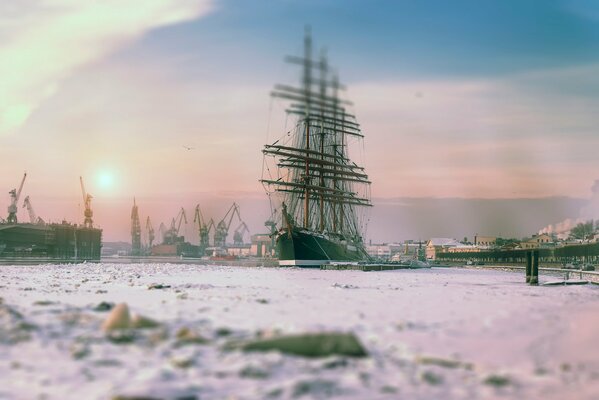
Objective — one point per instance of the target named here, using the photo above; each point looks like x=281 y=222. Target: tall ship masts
x=317 y=187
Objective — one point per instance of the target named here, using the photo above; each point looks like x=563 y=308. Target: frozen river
x=429 y=334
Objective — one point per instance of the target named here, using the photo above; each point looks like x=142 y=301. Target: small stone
x=431 y=378
x=158 y=286
x=223 y=332
x=336 y=363
x=157 y=336
x=186 y=336
x=79 y=351
x=119 y=318
x=497 y=381
x=44 y=303
x=262 y=301
x=183 y=363
x=121 y=336
x=252 y=372
x=141 y=322
x=104 y=306
x=311 y=345
x=317 y=388
x=444 y=362
x=107 y=362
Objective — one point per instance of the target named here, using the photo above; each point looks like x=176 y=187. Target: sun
x=105 y=179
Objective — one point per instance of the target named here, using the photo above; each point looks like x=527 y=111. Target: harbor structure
x=50 y=241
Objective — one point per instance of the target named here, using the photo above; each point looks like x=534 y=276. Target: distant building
x=536 y=241
x=462 y=248
x=485 y=241
x=242 y=250
x=387 y=251
x=262 y=245
x=435 y=245
x=511 y=246
x=111 y=249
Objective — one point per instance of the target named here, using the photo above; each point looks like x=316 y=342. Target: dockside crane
x=172 y=234
x=135 y=230
x=239 y=232
x=211 y=227
x=32 y=217
x=222 y=228
x=150 y=231
x=202 y=229
x=14 y=201
x=181 y=217
x=271 y=224
x=162 y=231
x=88 y=214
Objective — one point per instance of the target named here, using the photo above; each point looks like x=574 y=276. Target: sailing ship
x=320 y=193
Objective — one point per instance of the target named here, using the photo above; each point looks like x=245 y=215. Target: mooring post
x=528 y=266
x=534 y=279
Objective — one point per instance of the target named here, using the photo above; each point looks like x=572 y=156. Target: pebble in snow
x=119 y=318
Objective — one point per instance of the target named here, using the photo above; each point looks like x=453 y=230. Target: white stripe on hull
x=302 y=263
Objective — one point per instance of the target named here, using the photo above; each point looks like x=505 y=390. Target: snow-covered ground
x=430 y=334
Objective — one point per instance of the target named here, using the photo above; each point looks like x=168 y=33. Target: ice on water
x=429 y=334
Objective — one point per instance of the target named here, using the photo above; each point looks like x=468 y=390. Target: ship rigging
x=317 y=186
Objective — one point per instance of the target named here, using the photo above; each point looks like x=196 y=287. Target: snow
x=430 y=334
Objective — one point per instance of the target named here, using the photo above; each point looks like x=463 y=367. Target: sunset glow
x=147 y=87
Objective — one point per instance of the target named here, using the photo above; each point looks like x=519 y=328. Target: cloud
x=45 y=41
x=524 y=135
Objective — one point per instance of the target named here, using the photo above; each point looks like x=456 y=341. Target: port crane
x=172 y=234
x=202 y=228
x=14 y=200
x=150 y=231
x=271 y=224
x=211 y=227
x=32 y=217
x=87 y=202
x=135 y=230
x=239 y=232
x=162 y=230
x=222 y=228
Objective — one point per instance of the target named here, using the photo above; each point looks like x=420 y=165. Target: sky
x=471 y=100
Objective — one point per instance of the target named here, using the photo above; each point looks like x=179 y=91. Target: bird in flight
x=187 y=147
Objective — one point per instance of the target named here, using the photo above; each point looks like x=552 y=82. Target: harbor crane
x=150 y=231
x=162 y=230
x=180 y=217
x=172 y=234
x=32 y=217
x=271 y=224
x=202 y=229
x=87 y=201
x=239 y=232
x=135 y=230
x=222 y=228
x=211 y=227
x=14 y=200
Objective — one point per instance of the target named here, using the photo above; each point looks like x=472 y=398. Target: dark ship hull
x=305 y=248
x=60 y=242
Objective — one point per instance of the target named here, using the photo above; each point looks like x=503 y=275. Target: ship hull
x=303 y=248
